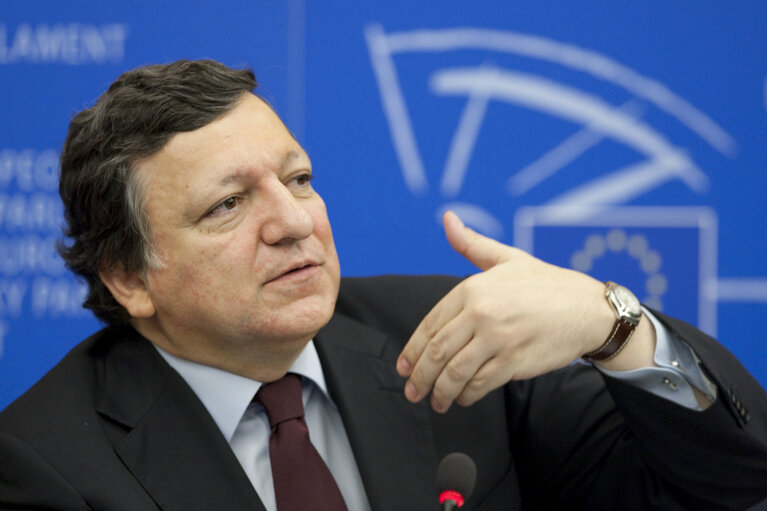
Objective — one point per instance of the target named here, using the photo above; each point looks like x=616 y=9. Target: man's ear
x=130 y=291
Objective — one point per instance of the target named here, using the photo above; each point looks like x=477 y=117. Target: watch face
x=625 y=303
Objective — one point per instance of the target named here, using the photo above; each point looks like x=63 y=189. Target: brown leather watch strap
x=615 y=342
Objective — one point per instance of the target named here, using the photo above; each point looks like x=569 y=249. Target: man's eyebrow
x=242 y=175
x=292 y=155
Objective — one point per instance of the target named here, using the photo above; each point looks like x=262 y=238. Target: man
x=209 y=254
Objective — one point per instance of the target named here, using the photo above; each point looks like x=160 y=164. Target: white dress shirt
x=228 y=398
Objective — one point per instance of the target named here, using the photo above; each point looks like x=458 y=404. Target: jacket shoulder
x=68 y=385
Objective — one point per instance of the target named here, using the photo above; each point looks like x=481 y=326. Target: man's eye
x=227 y=204
x=303 y=179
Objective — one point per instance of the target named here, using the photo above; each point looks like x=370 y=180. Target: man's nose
x=286 y=218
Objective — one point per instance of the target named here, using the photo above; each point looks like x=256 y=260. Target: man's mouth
x=295 y=271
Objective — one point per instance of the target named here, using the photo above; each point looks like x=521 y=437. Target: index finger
x=446 y=309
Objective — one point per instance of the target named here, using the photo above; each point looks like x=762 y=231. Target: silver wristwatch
x=628 y=312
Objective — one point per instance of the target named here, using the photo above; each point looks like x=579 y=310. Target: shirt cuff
x=677 y=372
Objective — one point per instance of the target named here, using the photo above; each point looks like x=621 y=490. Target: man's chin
x=302 y=319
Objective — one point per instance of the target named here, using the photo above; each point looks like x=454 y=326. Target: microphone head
x=456 y=473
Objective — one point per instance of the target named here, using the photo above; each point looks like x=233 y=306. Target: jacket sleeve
x=594 y=442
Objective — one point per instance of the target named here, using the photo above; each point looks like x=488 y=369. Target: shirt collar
x=227 y=395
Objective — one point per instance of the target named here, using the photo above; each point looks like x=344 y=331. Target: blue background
x=314 y=61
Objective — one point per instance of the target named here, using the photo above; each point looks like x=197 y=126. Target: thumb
x=481 y=251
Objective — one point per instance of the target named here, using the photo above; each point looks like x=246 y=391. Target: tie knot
x=281 y=399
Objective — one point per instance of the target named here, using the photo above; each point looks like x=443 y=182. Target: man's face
x=247 y=246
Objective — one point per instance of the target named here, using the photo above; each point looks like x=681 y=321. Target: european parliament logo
x=569 y=146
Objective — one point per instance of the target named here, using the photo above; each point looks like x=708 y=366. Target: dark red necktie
x=302 y=481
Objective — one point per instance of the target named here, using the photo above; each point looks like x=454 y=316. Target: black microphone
x=456 y=476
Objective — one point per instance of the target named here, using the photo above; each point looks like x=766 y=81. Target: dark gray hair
x=103 y=197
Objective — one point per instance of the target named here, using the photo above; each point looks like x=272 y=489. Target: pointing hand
x=519 y=318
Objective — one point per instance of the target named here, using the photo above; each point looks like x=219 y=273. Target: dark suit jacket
x=113 y=427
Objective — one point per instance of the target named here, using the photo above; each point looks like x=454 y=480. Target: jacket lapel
x=171 y=446
x=392 y=439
